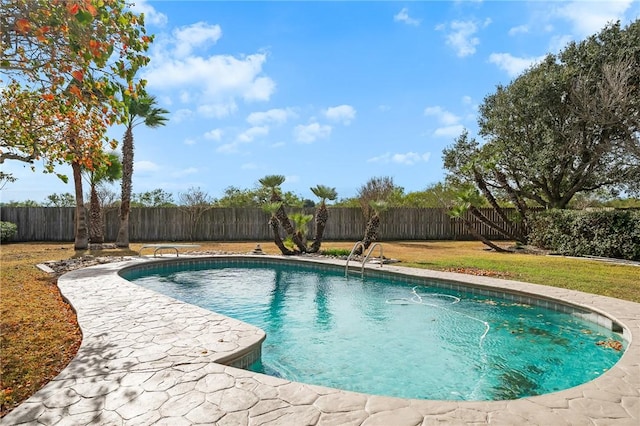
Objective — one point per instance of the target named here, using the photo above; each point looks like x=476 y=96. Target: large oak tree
x=568 y=125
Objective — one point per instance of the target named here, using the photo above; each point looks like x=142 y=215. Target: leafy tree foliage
x=255 y=197
x=154 y=198
x=194 y=202
x=567 y=126
x=24 y=203
x=60 y=200
x=68 y=67
x=64 y=62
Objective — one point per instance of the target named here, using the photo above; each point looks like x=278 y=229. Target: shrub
x=335 y=252
x=613 y=234
x=8 y=230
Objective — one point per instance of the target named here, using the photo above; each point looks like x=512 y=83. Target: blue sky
x=329 y=92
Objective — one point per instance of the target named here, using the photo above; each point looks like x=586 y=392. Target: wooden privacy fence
x=240 y=224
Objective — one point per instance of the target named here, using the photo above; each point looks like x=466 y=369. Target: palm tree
x=273 y=182
x=109 y=171
x=371 y=231
x=142 y=110
x=300 y=221
x=465 y=203
x=272 y=208
x=322 y=214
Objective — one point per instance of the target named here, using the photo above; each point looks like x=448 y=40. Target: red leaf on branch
x=91 y=9
x=23 y=25
x=78 y=75
x=73 y=8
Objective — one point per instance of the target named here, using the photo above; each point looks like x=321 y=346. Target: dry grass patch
x=38 y=330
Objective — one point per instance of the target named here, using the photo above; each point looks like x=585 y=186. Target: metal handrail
x=369 y=254
x=355 y=246
x=364 y=258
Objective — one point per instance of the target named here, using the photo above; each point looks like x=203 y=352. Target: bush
x=613 y=234
x=8 y=230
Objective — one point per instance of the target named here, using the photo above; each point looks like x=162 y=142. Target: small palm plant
x=300 y=221
x=322 y=214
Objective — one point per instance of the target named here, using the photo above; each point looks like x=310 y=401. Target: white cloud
x=218 y=76
x=466 y=100
x=311 y=132
x=461 y=38
x=272 y=116
x=250 y=134
x=185 y=172
x=512 y=65
x=185 y=96
x=445 y=117
x=181 y=115
x=193 y=36
x=449 y=131
x=215 y=134
x=189 y=141
x=228 y=147
x=520 y=29
x=342 y=113
x=589 y=17
x=220 y=110
x=213 y=83
x=145 y=166
x=408 y=158
x=403 y=16
x=151 y=16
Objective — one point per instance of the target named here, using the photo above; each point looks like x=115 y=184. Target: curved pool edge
x=146 y=357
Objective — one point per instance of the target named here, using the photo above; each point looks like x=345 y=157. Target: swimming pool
x=395 y=336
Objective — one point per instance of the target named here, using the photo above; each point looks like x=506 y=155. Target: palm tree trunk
x=291 y=230
x=282 y=217
x=96 y=234
x=321 y=222
x=275 y=226
x=127 y=176
x=82 y=237
x=481 y=237
x=370 y=233
x=493 y=225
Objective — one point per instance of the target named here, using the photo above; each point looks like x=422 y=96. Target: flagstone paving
x=148 y=359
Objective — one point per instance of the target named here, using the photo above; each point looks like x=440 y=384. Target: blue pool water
x=390 y=337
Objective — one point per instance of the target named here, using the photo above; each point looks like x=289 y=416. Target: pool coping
x=146 y=358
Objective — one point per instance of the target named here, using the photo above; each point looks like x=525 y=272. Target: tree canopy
x=66 y=66
x=568 y=125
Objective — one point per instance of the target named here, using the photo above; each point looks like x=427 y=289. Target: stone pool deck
x=148 y=359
